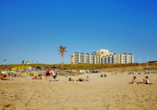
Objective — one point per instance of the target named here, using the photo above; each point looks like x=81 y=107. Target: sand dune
x=110 y=93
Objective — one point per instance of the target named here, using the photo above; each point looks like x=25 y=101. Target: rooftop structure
x=101 y=56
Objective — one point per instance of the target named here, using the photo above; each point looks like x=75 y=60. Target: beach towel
x=25 y=74
x=35 y=74
x=13 y=73
x=5 y=73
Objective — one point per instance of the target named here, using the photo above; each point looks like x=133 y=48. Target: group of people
x=2 y=76
x=52 y=73
x=145 y=81
x=81 y=79
x=37 y=77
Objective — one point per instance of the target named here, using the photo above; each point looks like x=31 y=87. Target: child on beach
x=47 y=74
x=40 y=77
x=88 y=79
x=1 y=76
x=34 y=78
x=134 y=81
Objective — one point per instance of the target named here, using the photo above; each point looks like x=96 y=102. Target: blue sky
x=34 y=29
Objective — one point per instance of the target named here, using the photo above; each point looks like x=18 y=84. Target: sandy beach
x=101 y=93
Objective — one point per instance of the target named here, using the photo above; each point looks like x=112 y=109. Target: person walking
x=54 y=74
x=47 y=74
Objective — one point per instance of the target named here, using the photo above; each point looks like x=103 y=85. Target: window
x=106 y=59
x=129 y=58
x=103 y=59
x=92 y=59
x=87 y=58
x=110 y=59
x=76 y=58
x=81 y=58
x=124 y=60
x=114 y=58
x=96 y=59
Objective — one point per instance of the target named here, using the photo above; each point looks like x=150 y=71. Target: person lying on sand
x=40 y=77
x=146 y=80
x=1 y=76
x=19 y=75
x=80 y=79
x=31 y=74
x=35 y=78
x=88 y=79
x=134 y=80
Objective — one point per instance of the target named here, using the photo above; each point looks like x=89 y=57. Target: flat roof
x=104 y=50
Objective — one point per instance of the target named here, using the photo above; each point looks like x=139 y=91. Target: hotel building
x=101 y=56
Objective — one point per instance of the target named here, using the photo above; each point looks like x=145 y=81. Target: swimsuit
x=146 y=82
x=80 y=79
x=133 y=81
x=54 y=76
x=47 y=74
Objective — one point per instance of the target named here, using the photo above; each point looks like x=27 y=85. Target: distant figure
x=80 y=79
x=88 y=79
x=66 y=75
x=35 y=78
x=54 y=74
x=115 y=72
x=47 y=74
x=1 y=76
x=146 y=80
x=134 y=81
x=40 y=77
x=7 y=75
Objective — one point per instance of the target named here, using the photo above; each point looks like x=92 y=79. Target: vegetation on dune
x=102 y=67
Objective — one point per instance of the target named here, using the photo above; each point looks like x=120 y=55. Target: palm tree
x=61 y=51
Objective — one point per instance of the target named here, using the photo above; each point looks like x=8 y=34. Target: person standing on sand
x=47 y=74
x=54 y=74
